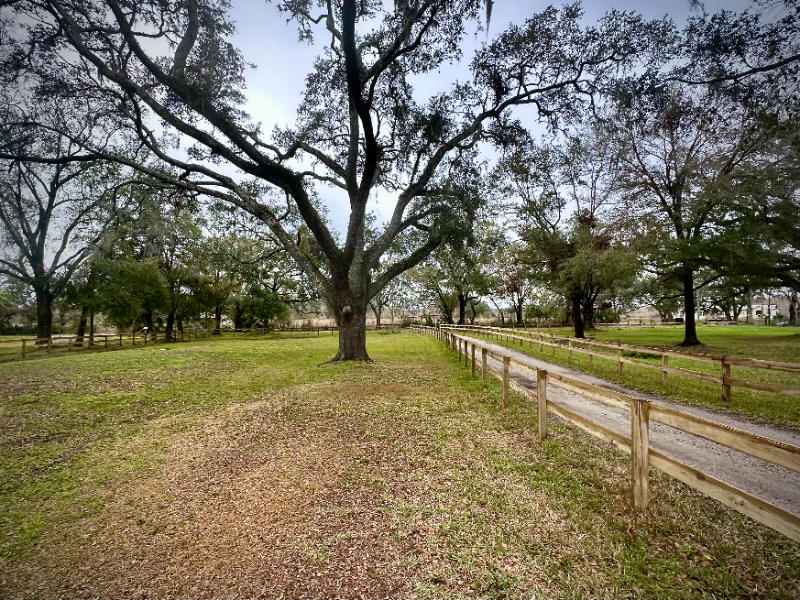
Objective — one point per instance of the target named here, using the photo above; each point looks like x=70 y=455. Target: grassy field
x=766 y=343
x=241 y=468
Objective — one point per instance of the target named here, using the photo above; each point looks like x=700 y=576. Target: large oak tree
x=166 y=71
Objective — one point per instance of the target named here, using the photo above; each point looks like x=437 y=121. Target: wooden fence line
x=643 y=323
x=724 y=379
x=638 y=445
x=72 y=343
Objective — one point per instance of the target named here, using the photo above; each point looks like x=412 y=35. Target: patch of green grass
x=780 y=344
x=457 y=487
x=765 y=343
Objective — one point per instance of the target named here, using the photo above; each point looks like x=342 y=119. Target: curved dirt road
x=776 y=485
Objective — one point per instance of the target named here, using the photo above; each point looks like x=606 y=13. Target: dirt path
x=772 y=483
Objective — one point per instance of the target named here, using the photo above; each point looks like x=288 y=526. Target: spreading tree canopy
x=166 y=72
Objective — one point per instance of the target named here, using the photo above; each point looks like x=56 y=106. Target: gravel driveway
x=776 y=485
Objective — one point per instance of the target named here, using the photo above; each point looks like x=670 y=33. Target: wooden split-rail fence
x=642 y=412
x=593 y=349
x=28 y=347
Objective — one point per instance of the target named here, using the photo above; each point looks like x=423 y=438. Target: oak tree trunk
x=351 y=319
x=170 y=326
x=462 y=309
x=149 y=320
x=44 y=315
x=217 y=320
x=690 y=327
x=81 y=333
x=577 y=317
x=377 y=309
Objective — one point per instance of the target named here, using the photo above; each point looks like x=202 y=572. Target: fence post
x=640 y=453
x=541 y=343
x=591 y=356
x=473 y=360
x=483 y=365
x=506 y=364
x=569 y=343
x=49 y=344
x=619 y=360
x=134 y=338
x=23 y=348
x=541 y=401
x=466 y=355
x=458 y=343
x=726 y=387
x=120 y=339
x=664 y=365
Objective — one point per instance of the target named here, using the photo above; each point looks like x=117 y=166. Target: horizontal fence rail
x=591 y=347
x=637 y=444
x=21 y=348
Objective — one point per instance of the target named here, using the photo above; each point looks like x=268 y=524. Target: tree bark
x=377 y=309
x=518 y=310
x=237 y=316
x=577 y=317
x=149 y=321
x=750 y=317
x=217 y=320
x=462 y=309
x=44 y=315
x=81 y=333
x=351 y=319
x=170 y=326
x=690 y=327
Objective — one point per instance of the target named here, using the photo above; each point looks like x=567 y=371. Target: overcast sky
x=282 y=62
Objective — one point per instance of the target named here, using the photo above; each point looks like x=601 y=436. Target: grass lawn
x=781 y=344
x=766 y=343
x=237 y=467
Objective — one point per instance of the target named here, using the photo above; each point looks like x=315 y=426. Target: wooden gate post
x=23 y=348
x=640 y=453
x=483 y=365
x=466 y=355
x=664 y=365
x=726 y=375
x=541 y=401
x=506 y=364
x=619 y=360
x=473 y=360
x=569 y=343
